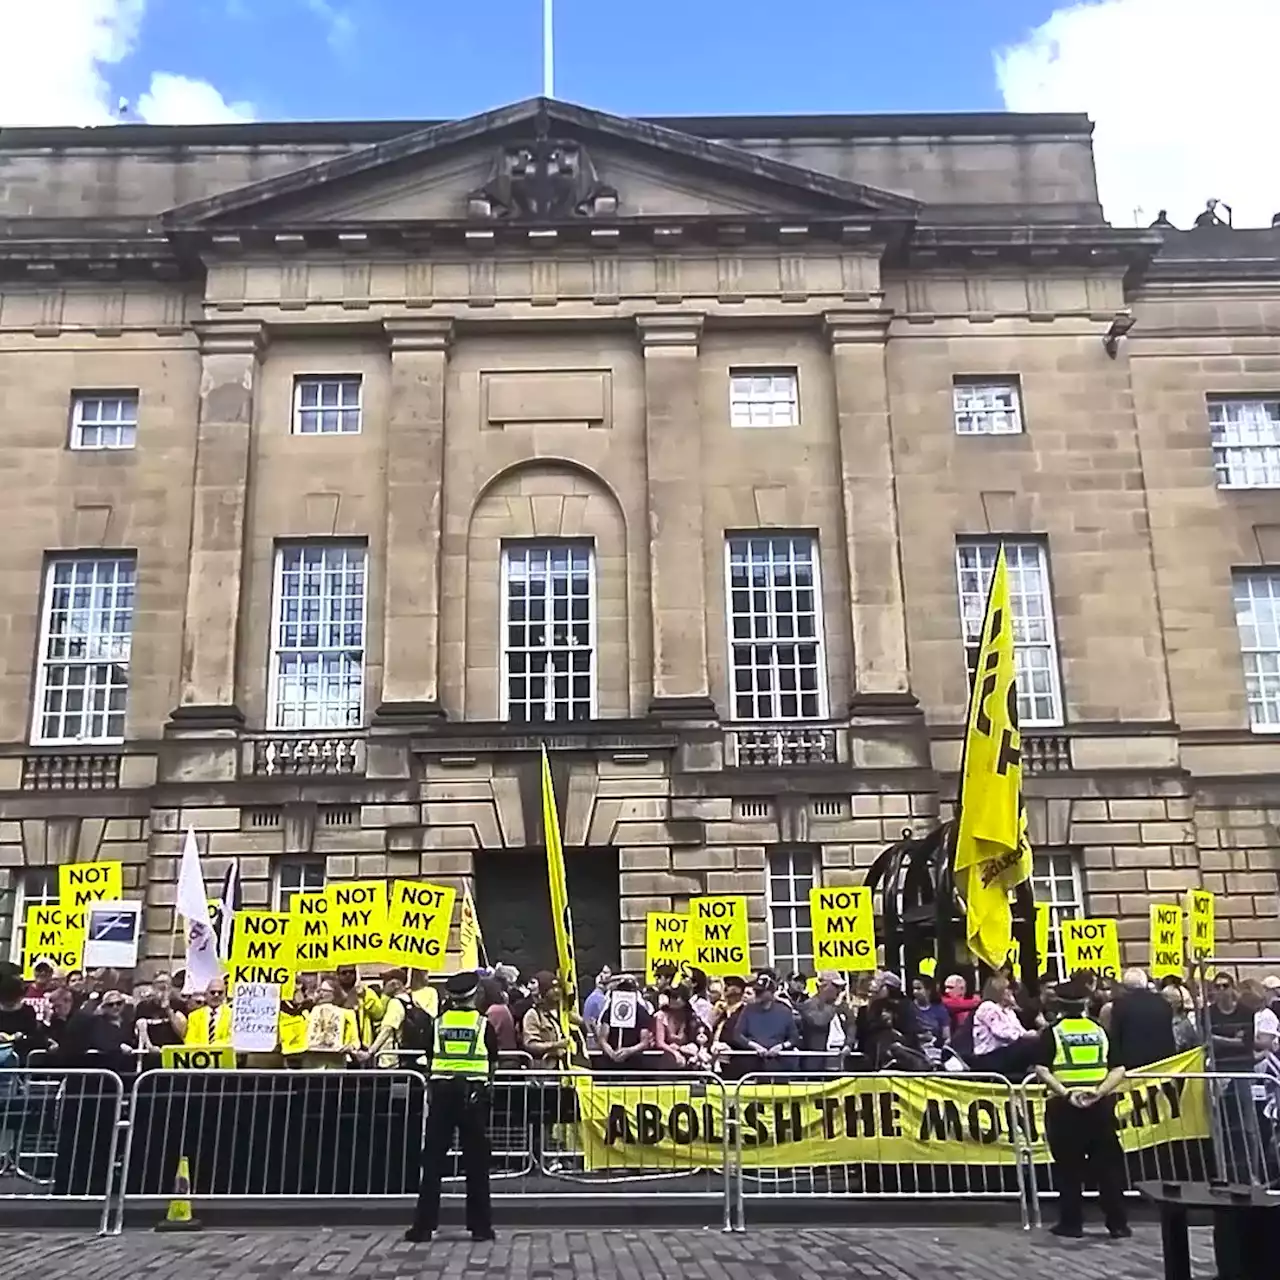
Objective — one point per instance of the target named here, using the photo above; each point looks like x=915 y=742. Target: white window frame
x=277 y=715
x=1052 y=868
x=345 y=411
x=24 y=898
x=45 y=665
x=525 y=547
x=781 y=863
x=987 y=406
x=818 y=640
x=1245 y=444
x=1259 y=663
x=1018 y=554
x=282 y=894
x=123 y=427
x=753 y=404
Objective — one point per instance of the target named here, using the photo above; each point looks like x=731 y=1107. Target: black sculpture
x=913 y=890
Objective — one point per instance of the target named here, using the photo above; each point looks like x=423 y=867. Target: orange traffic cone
x=178 y=1217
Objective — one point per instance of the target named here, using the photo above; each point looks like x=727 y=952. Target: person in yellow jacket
x=210 y=1023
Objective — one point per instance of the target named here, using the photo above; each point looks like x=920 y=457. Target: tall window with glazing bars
x=548 y=632
x=776 y=666
x=316 y=678
x=86 y=636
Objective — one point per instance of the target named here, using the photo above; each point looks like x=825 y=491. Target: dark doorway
x=514 y=905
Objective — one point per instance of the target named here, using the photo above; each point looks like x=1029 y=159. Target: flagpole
x=548 y=49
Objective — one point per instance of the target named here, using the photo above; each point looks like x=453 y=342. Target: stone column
x=673 y=449
x=230 y=353
x=415 y=521
x=881 y=680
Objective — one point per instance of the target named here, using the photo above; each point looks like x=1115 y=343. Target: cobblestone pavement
x=802 y=1253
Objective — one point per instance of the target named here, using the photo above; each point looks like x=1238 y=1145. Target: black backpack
x=417 y=1031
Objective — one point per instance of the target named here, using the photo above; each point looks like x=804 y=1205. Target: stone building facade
x=339 y=457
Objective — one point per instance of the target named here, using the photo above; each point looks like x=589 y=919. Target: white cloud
x=1182 y=93
x=340 y=23
x=173 y=99
x=59 y=55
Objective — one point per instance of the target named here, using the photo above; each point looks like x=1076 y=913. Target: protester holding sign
x=210 y=1024
x=332 y=1037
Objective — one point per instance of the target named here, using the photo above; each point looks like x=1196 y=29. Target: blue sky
x=432 y=58
x=1181 y=91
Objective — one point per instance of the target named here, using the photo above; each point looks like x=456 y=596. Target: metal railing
x=59 y=1130
x=745 y=1146
x=866 y=1116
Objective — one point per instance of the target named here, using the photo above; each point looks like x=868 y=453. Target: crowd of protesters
x=730 y=1026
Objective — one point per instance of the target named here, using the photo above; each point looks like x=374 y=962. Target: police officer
x=1079 y=1069
x=461 y=1066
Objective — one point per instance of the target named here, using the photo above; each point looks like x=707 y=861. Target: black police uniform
x=1083 y=1141
x=463 y=1059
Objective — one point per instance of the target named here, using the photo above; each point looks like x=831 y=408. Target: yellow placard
x=178 y=1057
x=264 y=948
x=293 y=1033
x=1200 y=923
x=1091 y=944
x=357 y=922
x=418 y=925
x=665 y=935
x=925 y=1119
x=719 y=941
x=928 y=967
x=1167 y=955
x=310 y=914
x=844 y=929
x=48 y=936
x=82 y=882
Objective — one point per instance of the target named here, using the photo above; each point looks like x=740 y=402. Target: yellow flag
x=561 y=918
x=469 y=936
x=992 y=853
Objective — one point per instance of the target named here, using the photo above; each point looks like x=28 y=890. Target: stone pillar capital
x=419 y=333
x=845 y=327
x=232 y=337
x=677 y=329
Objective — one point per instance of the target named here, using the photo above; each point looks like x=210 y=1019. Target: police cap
x=1072 y=992
x=461 y=986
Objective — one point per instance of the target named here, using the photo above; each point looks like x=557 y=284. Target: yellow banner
x=1167 y=955
x=357 y=922
x=664 y=940
x=926 y=1119
x=264 y=948
x=1091 y=944
x=177 y=1057
x=719 y=941
x=309 y=913
x=561 y=916
x=844 y=929
x=418 y=925
x=81 y=882
x=1200 y=923
x=990 y=841
x=49 y=935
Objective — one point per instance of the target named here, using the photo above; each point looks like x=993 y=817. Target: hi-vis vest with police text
x=460 y=1051
x=203 y=1028
x=1081 y=1057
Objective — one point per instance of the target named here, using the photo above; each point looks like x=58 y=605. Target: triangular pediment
x=546 y=162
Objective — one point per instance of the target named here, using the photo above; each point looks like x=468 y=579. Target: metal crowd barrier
x=886 y=1178
x=59 y=1131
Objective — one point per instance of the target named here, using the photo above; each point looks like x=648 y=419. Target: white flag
x=193 y=906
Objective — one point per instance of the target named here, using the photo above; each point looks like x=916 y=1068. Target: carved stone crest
x=547 y=180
